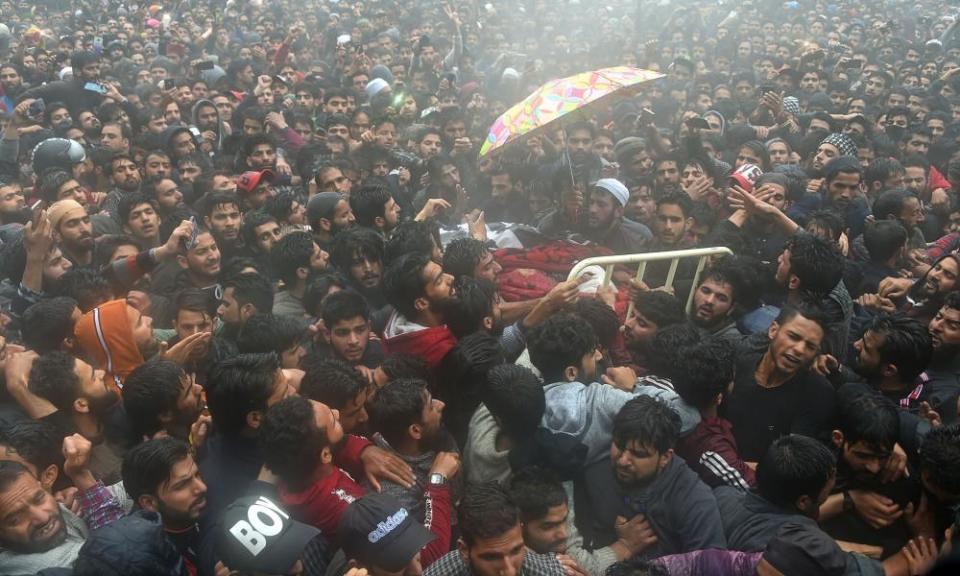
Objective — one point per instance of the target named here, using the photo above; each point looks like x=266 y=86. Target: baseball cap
x=376 y=530
x=259 y=536
x=248 y=181
x=745 y=176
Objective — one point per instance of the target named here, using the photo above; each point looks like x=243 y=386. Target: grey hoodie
x=194 y=112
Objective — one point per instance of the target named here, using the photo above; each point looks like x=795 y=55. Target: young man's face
x=189 y=322
x=604 y=210
x=942 y=278
x=143 y=223
x=637 y=464
x=864 y=460
x=183 y=496
x=76 y=231
x=548 y=534
x=168 y=195
x=11 y=199
x=126 y=175
x=204 y=258
x=496 y=556
x=868 y=362
x=795 y=344
x=712 y=302
x=224 y=221
x=671 y=224
x=945 y=329
x=157 y=166
x=349 y=338
x=366 y=272
x=266 y=236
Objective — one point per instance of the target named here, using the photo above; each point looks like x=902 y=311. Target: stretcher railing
x=675 y=256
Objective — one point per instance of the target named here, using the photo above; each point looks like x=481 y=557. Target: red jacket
x=405 y=337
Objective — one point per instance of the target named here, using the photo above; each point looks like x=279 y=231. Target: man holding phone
x=84 y=91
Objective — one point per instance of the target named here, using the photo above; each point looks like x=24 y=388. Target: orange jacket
x=106 y=339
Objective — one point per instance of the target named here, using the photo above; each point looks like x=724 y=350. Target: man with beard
x=72 y=230
x=407 y=421
x=774 y=391
x=295 y=257
x=206 y=118
x=891 y=355
x=223 y=217
x=199 y=266
x=606 y=224
x=862 y=506
x=126 y=178
x=921 y=298
x=723 y=291
x=944 y=369
x=579 y=410
x=41 y=533
x=644 y=480
x=420 y=293
x=243 y=296
x=842 y=178
x=159 y=396
x=375 y=208
x=358 y=254
x=759 y=227
x=347 y=327
x=118 y=338
x=329 y=213
x=161 y=476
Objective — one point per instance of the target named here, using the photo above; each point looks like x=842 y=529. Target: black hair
x=562 y=340
x=264 y=333
x=535 y=491
x=462 y=255
x=353 y=243
x=514 y=396
x=794 y=466
x=291 y=253
x=214 y=199
x=397 y=406
x=152 y=389
x=48 y=323
x=603 y=319
x=105 y=246
x=880 y=170
x=195 y=300
x=343 y=305
x=827 y=220
x=659 y=307
x=706 y=371
x=868 y=418
x=842 y=165
x=50 y=182
x=884 y=239
x=332 y=382
x=678 y=198
x=906 y=344
x=817 y=263
x=251 y=220
x=648 y=422
x=290 y=441
x=486 y=511
x=52 y=378
x=412 y=237
x=939 y=458
x=403 y=282
x=86 y=286
x=319 y=285
x=147 y=466
x=251 y=289
x=664 y=355
x=237 y=386
x=10 y=471
x=889 y=205
x=399 y=365
x=809 y=309
x=36 y=441
x=368 y=203
x=280 y=206
x=473 y=303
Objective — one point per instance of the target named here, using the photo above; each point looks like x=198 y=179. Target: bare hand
x=380 y=464
x=921 y=555
x=879 y=511
x=68 y=497
x=17 y=368
x=477 y=226
x=876 y=303
x=636 y=533
x=178 y=238
x=930 y=415
x=76 y=454
x=896 y=466
x=190 y=348
x=38 y=235
x=894 y=288
x=920 y=518
x=432 y=209
x=825 y=364
x=620 y=377
x=570 y=566
x=199 y=430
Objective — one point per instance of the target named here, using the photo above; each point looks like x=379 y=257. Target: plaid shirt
x=98 y=507
x=451 y=564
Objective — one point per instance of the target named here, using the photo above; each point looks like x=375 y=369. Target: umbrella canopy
x=557 y=98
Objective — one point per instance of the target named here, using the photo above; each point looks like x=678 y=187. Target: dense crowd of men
x=266 y=309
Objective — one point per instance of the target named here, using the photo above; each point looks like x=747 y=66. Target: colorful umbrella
x=557 y=98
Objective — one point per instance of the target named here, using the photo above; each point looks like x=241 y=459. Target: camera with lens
x=407 y=160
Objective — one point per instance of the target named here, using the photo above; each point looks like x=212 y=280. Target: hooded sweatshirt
x=194 y=113
x=105 y=337
x=406 y=337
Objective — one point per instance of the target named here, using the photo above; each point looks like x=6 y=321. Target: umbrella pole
x=566 y=153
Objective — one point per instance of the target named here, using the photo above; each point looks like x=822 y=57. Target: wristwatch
x=847 y=502
x=438 y=479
